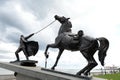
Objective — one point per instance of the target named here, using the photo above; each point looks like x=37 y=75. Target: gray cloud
x=12 y=38
x=4 y=51
x=39 y=8
x=2 y=2
x=13 y=23
x=11 y=18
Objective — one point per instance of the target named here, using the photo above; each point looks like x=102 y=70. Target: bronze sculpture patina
x=22 y=46
x=78 y=42
x=29 y=48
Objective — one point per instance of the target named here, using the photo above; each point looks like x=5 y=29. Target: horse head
x=61 y=19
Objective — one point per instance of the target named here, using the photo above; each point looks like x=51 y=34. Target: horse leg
x=58 y=57
x=87 y=66
x=49 y=45
x=83 y=70
x=92 y=63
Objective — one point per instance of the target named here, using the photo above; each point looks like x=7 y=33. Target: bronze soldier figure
x=22 y=46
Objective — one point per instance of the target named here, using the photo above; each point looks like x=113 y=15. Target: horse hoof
x=52 y=68
x=78 y=74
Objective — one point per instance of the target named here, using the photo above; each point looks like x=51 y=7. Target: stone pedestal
x=29 y=63
x=38 y=73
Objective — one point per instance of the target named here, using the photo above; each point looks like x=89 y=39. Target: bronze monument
x=78 y=42
x=29 y=48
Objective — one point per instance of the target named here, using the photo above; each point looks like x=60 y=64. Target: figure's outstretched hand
x=32 y=34
x=55 y=17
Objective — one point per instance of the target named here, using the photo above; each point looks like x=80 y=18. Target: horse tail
x=104 y=45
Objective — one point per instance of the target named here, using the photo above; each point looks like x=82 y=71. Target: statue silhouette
x=28 y=47
x=78 y=42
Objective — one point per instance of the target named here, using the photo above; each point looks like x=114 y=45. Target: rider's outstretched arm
x=29 y=36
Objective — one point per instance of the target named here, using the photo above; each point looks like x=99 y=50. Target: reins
x=45 y=27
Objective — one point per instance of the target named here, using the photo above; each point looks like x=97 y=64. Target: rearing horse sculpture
x=77 y=42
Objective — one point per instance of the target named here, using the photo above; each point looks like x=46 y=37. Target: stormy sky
x=96 y=18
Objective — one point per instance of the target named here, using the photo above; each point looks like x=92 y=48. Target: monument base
x=38 y=73
x=79 y=76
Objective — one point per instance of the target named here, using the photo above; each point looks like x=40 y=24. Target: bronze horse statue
x=78 y=42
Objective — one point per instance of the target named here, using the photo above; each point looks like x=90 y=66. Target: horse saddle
x=68 y=39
